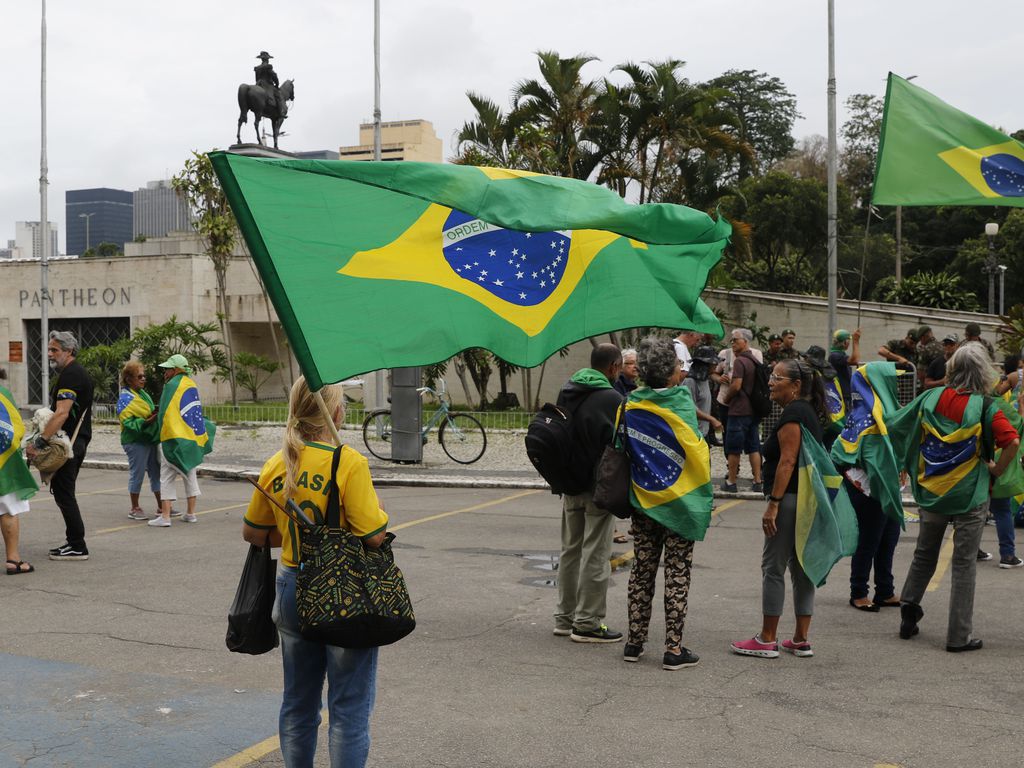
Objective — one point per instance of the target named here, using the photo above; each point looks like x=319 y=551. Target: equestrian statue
x=265 y=99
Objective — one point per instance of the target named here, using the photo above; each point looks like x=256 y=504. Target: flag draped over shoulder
x=826 y=524
x=670 y=464
x=933 y=154
x=185 y=436
x=376 y=265
x=1010 y=484
x=864 y=442
x=943 y=457
x=14 y=473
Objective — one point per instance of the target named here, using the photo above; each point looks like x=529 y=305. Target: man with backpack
x=741 y=429
x=584 y=566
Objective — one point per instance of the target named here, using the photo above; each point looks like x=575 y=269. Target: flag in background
x=670 y=463
x=14 y=473
x=185 y=436
x=933 y=154
x=378 y=265
x=826 y=523
x=864 y=441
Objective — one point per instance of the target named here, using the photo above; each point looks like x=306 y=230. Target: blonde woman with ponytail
x=300 y=471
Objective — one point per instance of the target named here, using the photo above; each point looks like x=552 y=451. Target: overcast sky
x=134 y=85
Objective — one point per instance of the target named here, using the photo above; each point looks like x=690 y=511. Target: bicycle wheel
x=377 y=433
x=462 y=437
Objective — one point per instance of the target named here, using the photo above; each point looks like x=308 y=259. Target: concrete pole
x=44 y=222
x=378 y=376
x=833 y=265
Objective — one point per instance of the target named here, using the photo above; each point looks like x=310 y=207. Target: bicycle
x=461 y=436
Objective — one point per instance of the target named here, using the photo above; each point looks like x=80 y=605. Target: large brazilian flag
x=933 y=154
x=185 y=436
x=14 y=473
x=377 y=265
x=826 y=523
x=864 y=441
x=670 y=463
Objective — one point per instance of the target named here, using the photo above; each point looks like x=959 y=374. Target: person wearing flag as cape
x=185 y=438
x=671 y=491
x=864 y=455
x=835 y=397
x=139 y=437
x=17 y=485
x=946 y=440
x=808 y=523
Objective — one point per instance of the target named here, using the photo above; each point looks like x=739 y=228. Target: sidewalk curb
x=382 y=479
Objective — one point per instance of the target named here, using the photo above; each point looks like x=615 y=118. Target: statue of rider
x=266 y=78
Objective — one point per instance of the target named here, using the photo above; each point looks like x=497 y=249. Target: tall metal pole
x=378 y=376
x=899 y=244
x=833 y=266
x=44 y=223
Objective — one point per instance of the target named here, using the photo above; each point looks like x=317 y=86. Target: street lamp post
x=1002 y=289
x=86 y=216
x=991 y=265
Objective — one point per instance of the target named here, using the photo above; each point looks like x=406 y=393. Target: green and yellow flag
x=864 y=442
x=378 y=265
x=14 y=473
x=185 y=436
x=826 y=523
x=670 y=463
x=933 y=154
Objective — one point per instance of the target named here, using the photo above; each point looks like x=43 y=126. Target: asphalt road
x=120 y=660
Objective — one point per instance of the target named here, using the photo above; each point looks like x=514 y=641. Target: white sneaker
x=189 y=518
x=160 y=522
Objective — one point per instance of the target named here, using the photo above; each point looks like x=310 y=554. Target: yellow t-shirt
x=360 y=509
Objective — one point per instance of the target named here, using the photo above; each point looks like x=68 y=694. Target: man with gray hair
x=71 y=402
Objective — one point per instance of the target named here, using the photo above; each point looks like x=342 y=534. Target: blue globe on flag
x=6 y=429
x=192 y=411
x=656 y=456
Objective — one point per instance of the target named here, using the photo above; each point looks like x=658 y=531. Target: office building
x=95 y=216
x=28 y=241
x=159 y=210
x=399 y=140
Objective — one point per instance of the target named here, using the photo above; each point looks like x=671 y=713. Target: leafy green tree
x=252 y=371
x=808 y=160
x=937 y=290
x=765 y=112
x=861 y=133
x=491 y=136
x=104 y=363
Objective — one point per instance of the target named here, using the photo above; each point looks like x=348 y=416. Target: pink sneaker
x=754 y=647
x=802 y=649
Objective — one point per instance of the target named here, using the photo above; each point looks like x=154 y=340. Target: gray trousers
x=778 y=554
x=967 y=530
x=585 y=564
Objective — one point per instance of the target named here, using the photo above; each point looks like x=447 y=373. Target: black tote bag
x=250 y=627
x=346 y=594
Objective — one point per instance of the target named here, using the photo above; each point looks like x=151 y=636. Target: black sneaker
x=972 y=645
x=67 y=552
x=983 y=555
x=1010 y=562
x=729 y=487
x=910 y=614
x=600 y=635
x=57 y=549
x=632 y=652
x=685 y=658
x=757 y=487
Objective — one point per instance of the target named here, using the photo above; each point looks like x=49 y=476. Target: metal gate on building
x=89 y=331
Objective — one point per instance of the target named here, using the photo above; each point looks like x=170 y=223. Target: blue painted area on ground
x=56 y=714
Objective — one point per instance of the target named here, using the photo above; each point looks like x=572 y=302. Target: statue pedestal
x=261 y=150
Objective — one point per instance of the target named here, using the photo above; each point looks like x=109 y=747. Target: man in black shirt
x=71 y=403
x=935 y=376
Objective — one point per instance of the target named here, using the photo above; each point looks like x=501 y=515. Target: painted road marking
x=728 y=505
x=49 y=497
x=142 y=523
x=474 y=508
x=945 y=557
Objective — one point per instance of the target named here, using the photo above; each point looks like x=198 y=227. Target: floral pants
x=649 y=538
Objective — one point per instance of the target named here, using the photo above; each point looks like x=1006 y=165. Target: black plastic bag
x=250 y=627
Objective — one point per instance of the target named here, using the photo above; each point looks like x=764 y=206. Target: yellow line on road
x=252 y=754
x=474 y=508
x=47 y=496
x=139 y=523
x=727 y=505
x=945 y=556
x=621 y=560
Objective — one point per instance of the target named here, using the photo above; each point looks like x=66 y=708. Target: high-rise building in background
x=399 y=140
x=28 y=241
x=101 y=215
x=159 y=210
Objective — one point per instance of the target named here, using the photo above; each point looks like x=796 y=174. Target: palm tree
x=612 y=133
x=492 y=135
x=562 y=104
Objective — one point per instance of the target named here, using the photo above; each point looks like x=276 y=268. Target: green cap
x=841 y=335
x=176 y=361
x=788 y=332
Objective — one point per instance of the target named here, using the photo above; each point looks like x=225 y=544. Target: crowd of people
x=833 y=398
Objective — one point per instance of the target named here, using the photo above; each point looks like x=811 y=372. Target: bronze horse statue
x=252 y=98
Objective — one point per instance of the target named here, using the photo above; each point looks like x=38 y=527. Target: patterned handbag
x=346 y=594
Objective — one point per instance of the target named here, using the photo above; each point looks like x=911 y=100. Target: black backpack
x=549 y=444
x=760 y=395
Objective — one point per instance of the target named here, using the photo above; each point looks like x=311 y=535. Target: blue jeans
x=1002 y=511
x=143 y=459
x=879 y=535
x=351 y=684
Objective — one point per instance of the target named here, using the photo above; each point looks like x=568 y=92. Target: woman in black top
x=796 y=388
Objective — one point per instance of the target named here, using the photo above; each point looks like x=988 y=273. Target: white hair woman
x=946 y=441
x=301 y=471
